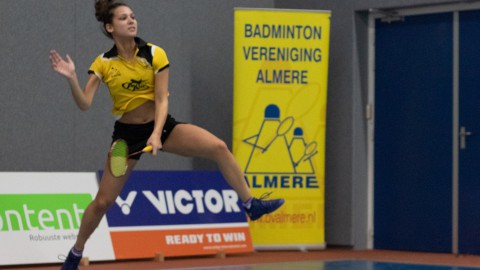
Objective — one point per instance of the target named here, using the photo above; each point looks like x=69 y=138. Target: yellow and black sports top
x=131 y=83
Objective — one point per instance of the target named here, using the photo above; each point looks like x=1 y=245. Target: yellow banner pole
x=280 y=92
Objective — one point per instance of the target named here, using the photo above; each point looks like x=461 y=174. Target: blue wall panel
x=469 y=174
x=413 y=134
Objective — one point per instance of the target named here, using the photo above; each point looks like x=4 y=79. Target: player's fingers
x=55 y=56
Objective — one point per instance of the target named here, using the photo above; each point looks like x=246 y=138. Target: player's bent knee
x=220 y=149
x=102 y=205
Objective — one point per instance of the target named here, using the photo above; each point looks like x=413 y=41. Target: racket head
x=310 y=149
x=285 y=126
x=118 y=157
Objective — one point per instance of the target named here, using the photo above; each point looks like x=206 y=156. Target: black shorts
x=136 y=135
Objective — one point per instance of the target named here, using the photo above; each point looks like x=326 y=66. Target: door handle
x=463 y=137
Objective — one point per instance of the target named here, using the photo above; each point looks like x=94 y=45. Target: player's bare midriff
x=142 y=114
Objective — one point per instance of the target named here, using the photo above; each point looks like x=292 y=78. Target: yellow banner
x=280 y=92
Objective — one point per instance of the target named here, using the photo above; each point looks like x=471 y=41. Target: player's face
x=124 y=22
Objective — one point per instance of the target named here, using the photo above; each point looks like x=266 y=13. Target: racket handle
x=147 y=148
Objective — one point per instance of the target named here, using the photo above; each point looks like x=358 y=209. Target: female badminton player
x=136 y=74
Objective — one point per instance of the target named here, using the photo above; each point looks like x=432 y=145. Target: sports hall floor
x=333 y=258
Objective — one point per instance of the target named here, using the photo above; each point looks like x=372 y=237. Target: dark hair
x=104 y=12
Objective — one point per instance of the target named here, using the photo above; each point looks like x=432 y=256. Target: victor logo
x=184 y=201
x=127 y=203
x=25 y=212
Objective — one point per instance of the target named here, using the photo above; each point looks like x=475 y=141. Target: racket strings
x=118 y=158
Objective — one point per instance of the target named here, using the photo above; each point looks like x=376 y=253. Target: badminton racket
x=282 y=129
x=118 y=157
x=310 y=151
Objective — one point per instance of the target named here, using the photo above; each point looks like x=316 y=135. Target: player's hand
x=156 y=144
x=64 y=67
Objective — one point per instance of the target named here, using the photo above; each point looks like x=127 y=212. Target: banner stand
x=280 y=93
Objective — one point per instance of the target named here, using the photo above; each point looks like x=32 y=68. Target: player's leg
x=191 y=140
x=109 y=189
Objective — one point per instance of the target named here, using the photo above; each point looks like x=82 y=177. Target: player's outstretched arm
x=66 y=68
